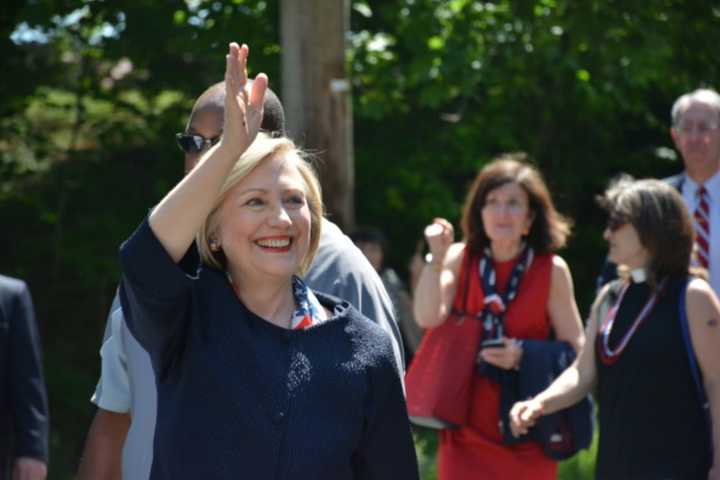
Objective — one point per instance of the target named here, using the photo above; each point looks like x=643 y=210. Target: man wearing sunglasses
x=121 y=435
x=695 y=131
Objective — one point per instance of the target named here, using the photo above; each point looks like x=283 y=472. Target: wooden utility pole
x=316 y=95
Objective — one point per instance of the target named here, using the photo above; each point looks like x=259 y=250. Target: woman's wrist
x=435 y=262
x=539 y=405
x=229 y=151
x=543 y=403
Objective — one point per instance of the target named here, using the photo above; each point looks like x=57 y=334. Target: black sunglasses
x=615 y=222
x=194 y=143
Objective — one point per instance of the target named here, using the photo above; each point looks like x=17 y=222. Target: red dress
x=476 y=451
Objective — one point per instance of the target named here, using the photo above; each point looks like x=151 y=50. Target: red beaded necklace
x=608 y=355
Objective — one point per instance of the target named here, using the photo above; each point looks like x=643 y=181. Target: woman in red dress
x=520 y=289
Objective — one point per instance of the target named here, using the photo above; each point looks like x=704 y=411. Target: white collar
x=639 y=275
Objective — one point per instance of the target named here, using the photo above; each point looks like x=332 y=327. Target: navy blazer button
x=279 y=417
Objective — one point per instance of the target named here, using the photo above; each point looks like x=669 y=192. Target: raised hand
x=523 y=415
x=179 y=216
x=439 y=236
x=243 y=111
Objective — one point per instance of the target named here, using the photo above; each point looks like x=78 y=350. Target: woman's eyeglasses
x=194 y=143
x=615 y=222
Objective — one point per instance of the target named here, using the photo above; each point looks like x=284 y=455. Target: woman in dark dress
x=257 y=375
x=652 y=421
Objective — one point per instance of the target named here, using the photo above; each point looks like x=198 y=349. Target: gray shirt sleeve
x=113 y=389
x=340 y=269
x=127 y=385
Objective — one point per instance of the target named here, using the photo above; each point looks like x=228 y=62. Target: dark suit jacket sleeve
x=156 y=296
x=28 y=395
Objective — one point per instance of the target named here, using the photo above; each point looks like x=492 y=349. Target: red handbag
x=440 y=376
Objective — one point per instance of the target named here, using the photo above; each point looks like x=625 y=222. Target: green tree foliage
x=94 y=94
x=584 y=87
x=94 y=91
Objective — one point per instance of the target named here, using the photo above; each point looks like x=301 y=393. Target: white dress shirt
x=689 y=193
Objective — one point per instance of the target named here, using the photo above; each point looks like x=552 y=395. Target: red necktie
x=702 y=228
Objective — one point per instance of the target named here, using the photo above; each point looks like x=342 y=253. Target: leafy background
x=93 y=92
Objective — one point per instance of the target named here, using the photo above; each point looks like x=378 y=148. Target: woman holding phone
x=521 y=290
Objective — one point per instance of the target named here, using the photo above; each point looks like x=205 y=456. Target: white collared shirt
x=689 y=193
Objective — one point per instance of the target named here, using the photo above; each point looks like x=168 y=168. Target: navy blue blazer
x=562 y=434
x=23 y=400
x=241 y=397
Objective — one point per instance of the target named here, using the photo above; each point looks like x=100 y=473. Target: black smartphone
x=492 y=343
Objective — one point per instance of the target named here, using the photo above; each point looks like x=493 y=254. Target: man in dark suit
x=23 y=400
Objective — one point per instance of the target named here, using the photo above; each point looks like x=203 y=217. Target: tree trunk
x=316 y=95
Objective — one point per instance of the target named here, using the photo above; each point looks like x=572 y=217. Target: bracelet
x=435 y=265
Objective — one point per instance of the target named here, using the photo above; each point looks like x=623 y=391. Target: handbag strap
x=692 y=359
x=460 y=311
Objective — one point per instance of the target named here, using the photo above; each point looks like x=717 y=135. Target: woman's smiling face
x=264 y=222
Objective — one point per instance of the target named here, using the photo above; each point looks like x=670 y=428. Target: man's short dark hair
x=369 y=235
x=273 y=121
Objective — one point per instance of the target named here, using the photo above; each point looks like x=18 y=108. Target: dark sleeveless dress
x=476 y=451
x=651 y=421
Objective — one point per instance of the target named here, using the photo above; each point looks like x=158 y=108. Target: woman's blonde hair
x=264 y=148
